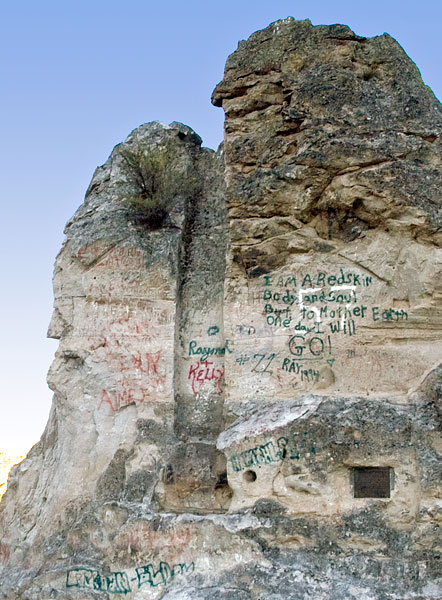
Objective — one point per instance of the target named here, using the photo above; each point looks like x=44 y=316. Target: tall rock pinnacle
x=247 y=391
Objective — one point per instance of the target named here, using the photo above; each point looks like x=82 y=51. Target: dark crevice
x=359 y=40
x=198 y=417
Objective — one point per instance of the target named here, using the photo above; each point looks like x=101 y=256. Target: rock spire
x=247 y=390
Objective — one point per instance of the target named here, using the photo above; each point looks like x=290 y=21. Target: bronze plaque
x=371 y=482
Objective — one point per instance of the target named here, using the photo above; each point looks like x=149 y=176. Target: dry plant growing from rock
x=156 y=180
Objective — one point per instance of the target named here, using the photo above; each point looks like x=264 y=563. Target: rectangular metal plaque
x=371 y=482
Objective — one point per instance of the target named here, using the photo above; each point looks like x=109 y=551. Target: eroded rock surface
x=247 y=392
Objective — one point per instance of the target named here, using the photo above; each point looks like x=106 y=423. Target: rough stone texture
x=231 y=370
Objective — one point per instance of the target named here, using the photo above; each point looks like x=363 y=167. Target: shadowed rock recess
x=247 y=392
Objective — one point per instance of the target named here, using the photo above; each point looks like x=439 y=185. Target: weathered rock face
x=247 y=397
x=333 y=169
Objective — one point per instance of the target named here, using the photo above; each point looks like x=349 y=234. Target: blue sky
x=77 y=77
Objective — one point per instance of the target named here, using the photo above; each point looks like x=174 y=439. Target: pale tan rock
x=247 y=402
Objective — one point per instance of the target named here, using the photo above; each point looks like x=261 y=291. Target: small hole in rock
x=222 y=480
x=168 y=474
x=250 y=476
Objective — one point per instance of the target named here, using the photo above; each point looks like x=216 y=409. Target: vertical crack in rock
x=192 y=479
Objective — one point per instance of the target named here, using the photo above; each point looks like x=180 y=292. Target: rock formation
x=247 y=391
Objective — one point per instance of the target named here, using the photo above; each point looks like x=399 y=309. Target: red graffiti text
x=205 y=371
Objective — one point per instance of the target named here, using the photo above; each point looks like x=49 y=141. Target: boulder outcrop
x=247 y=390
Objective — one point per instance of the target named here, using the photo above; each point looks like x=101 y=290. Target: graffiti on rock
x=319 y=297
x=319 y=279
x=273 y=452
x=205 y=352
x=265 y=454
x=260 y=362
x=164 y=574
x=140 y=535
x=114 y=583
x=121 y=582
x=205 y=371
x=128 y=390
x=320 y=312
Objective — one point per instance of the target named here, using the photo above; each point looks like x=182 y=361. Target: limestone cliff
x=247 y=391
